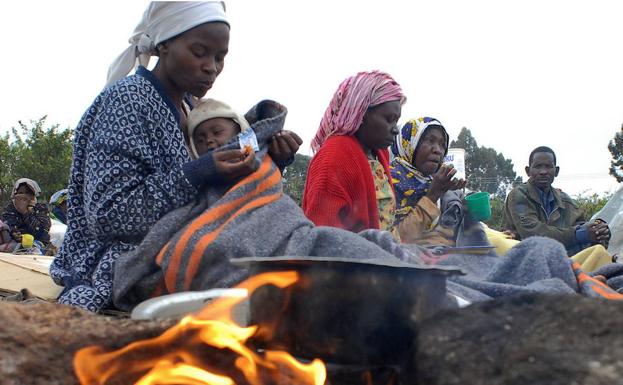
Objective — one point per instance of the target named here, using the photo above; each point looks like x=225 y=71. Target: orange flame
x=208 y=348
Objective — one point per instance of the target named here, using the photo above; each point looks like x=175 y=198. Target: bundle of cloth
x=190 y=248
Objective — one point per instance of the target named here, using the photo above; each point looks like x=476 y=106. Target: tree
x=294 y=177
x=7 y=166
x=497 y=214
x=590 y=204
x=486 y=169
x=616 y=149
x=39 y=153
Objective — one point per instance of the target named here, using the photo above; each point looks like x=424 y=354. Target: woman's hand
x=442 y=182
x=232 y=164
x=284 y=145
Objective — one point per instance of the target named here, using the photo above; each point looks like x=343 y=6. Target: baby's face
x=214 y=133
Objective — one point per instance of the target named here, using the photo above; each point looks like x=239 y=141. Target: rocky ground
x=531 y=339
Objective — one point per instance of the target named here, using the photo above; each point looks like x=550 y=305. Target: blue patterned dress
x=127 y=172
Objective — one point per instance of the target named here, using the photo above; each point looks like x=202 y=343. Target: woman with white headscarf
x=131 y=163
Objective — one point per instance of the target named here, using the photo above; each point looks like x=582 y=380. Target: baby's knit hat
x=209 y=109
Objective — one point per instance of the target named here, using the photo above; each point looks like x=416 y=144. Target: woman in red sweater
x=348 y=180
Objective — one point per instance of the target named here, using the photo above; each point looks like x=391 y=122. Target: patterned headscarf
x=161 y=21
x=409 y=183
x=58 y=197
x=351 y=101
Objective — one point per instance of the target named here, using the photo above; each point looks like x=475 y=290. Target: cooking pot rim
x=307 y=260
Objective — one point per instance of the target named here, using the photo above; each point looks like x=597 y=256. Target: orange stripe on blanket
x=607 y=294
x=209 y=216
x=245 y=181
x=195 y=257
x=205 y=241
x=598 y=286
x=163 y=251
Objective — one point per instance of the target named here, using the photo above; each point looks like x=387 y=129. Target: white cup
x=456 y=157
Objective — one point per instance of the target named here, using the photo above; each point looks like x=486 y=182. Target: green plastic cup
x=478 y=206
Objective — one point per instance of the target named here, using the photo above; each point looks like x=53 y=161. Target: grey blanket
x=535 y=265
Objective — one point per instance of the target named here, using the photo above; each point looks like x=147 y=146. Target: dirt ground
x=38 y=340
x=532 y=339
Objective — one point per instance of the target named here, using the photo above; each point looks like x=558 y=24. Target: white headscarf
x=161 y=21
x=32 y=185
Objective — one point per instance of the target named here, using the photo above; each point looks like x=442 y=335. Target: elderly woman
x=348 y=181
x=131 y=163
x=422 y=183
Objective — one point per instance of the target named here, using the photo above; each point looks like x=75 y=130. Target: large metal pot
x=343 y=310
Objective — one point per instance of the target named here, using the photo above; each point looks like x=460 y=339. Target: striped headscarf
x=161 y=21
x=351 y=101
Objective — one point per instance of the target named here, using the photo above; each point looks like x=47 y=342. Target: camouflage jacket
x=525 y=215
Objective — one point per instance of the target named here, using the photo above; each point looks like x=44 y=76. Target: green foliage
x=36 y=152
x=496 y=221
x=616 y=149
x=294 y=177
x=590 y=204
x=486 y=169
x=8 y=158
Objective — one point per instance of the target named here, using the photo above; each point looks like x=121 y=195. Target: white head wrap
x=161 y=21
x=32 y=185
x=210 y=109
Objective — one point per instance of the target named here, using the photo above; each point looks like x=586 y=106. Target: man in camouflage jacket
x=536 y=208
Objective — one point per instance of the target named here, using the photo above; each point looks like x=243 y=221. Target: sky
x=517 y=74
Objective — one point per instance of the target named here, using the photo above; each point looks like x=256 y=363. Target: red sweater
x=339 y=190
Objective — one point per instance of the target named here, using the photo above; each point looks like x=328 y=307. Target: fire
x=208 y=348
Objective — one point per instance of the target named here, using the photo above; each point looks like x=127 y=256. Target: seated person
x=537 y=208
x=348 y=179
x=24 y=215
x=422 y=183
x=58 y=206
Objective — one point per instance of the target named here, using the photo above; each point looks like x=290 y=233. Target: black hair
x=541 y=149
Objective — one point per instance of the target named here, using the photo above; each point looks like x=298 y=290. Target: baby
x=213 y=124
